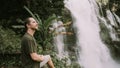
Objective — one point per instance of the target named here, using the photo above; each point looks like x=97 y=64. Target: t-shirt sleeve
x=30 y=46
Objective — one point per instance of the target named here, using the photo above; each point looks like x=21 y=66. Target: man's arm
x=36 y=57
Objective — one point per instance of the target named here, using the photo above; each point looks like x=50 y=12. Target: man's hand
x=41 y=57
x=37 y=57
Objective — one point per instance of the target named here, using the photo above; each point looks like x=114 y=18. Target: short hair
x=27 y=21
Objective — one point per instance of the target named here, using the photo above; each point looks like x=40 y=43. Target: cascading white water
x=112 y=18
x=92 y=52
x=59 y=39
x=113 y=22
x=118 y=19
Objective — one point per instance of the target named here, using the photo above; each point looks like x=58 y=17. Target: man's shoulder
x=27 y=37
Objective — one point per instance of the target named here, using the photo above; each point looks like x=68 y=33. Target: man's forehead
x=31 y=19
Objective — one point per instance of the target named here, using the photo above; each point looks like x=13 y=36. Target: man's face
x=33 y=24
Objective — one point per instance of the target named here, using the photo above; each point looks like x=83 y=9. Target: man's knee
x=49 y=57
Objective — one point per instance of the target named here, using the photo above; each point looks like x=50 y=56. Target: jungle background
x=12 y=14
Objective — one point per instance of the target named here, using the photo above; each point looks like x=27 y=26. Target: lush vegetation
x=13 y=13
x=11 y=28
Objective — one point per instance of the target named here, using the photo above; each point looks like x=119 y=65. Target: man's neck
x=31 y=32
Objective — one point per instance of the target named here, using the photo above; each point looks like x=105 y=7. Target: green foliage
x=47 y=7
x=45 y=37
x=60 y=63
x=9 y=60
x=9 y=42
x=9 y=48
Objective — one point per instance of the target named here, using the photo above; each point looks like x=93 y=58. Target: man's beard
x=34 y=29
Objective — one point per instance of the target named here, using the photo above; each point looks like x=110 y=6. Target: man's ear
x=27 y=25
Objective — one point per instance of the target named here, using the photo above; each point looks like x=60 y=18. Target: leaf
x=31 y=14
x=49 y=21
x=46 y=37
x=40 y=21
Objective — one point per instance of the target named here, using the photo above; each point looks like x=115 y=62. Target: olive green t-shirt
x=28 y=45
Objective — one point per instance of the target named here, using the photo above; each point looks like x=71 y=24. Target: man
x=29 y=56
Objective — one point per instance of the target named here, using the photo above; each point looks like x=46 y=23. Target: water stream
x=59 y=39
x=92 y=52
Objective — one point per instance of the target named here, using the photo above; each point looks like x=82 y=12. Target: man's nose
x=36 y=23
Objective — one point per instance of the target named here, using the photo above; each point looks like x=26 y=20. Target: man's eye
x=33 y=21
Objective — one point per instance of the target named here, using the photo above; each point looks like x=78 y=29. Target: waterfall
x=113 y=22
x=59 y=39
x=118 y=19
x=92 y=52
